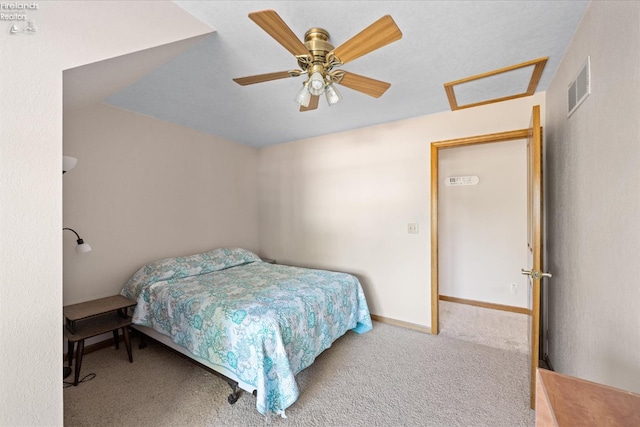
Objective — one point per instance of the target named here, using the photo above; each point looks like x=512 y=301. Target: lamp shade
x=303 y=97
x=68 y=163
x=83 y=248
x=332 y=94
x=316 y=84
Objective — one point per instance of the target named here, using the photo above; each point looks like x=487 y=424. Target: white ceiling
x=442 y=41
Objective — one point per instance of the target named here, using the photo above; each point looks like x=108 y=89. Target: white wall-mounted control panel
x=461 y=180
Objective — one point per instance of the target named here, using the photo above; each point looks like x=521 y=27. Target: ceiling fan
x=317 y=58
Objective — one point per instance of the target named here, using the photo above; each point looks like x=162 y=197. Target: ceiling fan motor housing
x=317 y=41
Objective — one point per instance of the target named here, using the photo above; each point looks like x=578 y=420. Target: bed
x=254 y=323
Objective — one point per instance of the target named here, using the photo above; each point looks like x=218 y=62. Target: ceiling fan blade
x=379 y=34
x=366 y=85
x=271 y=22
x=259 y=78
x=313 y=104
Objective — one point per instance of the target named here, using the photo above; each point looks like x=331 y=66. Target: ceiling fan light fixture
x=332 y=94
x=317 y=57
x=304 y=96
x=316 y=84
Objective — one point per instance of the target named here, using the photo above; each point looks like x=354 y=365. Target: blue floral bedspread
x=261 y=321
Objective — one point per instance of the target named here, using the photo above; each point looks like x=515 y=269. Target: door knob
x=535 y=274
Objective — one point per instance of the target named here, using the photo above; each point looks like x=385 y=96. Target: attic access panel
x=509 y=75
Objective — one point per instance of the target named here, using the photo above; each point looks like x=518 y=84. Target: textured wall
x=69 y=34
x=145 y=189
x=593 y=202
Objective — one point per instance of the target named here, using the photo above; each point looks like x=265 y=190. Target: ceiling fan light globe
x=303 y=97
x=316 y=84
x=332 y=94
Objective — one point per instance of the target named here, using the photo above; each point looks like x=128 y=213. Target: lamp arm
x=74 y=232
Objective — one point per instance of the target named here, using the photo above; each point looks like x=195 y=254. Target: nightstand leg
x=69 y=352
x=116 y=338
x=79 y=354
x=127 y=342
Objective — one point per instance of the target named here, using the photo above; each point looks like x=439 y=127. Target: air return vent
x=580 y=88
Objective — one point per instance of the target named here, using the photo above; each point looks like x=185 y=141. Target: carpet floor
x=495 y=328
x=389 y=376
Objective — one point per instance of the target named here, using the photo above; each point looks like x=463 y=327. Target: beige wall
x=343 y=201
x=593 y=199
x=482 y=229
x=145 y=189
x=69 y=34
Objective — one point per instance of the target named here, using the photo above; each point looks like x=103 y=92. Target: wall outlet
x=413 y=228
x=514 y=288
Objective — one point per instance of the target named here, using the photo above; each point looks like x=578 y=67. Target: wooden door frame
x=435 y=149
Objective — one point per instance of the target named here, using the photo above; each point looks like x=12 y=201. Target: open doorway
x=488 y=285
x=483 y=230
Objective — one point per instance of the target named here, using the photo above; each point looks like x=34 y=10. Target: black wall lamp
x=82 y=247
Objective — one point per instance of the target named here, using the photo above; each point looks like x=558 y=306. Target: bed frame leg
x=143 y=341
x=233 y=397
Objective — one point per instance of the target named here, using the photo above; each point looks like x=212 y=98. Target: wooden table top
x=95 y=307
x=577 y=402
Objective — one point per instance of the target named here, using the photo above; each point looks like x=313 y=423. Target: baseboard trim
x=400 y=323
x=511 y=308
